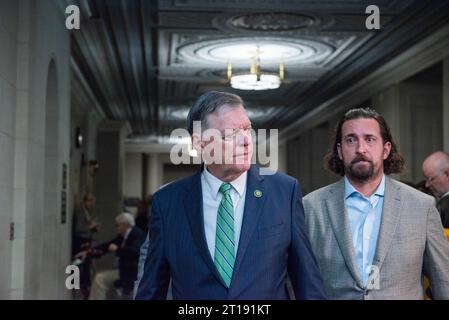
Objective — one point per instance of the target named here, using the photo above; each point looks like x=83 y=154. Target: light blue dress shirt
x=210 y=186
x=364 y=214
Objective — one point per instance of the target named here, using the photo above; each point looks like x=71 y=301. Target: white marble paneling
x=7 y=107
x=6 y=200
x=8 y=14
x=133 y=175
x=8 y=54
x=6 y=161
x=18 y=264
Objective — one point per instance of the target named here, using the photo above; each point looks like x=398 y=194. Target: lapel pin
x=258 y=193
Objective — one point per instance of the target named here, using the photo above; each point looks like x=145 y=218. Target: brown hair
x=393 y=164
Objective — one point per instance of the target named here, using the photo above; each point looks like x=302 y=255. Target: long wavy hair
x=393 y=164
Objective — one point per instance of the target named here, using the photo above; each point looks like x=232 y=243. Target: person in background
x=126 y=247
x=84 y=223
x=436 y=170
x=422 y=186
x=84 y=227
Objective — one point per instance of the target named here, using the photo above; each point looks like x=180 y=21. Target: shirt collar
x=445 y=195
x=214 y=183
x=350 y=190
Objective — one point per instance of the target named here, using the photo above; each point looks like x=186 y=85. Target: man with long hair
x=374 y=237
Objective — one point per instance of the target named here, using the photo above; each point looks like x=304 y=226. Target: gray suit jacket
x=411 y=243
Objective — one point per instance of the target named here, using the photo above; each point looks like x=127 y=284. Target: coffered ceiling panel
x=146 y=61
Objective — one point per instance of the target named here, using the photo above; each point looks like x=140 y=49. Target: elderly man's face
x=235 y=143
x=121 y=227
x=437 y=180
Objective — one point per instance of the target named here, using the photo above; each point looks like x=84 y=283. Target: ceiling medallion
x=240 y=51
x=272 y=21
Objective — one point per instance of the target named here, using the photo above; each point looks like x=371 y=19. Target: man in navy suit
x=228 y=232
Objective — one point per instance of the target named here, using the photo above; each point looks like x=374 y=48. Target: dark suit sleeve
x=156 y=275
x=103 y=248
x=131 y=248
x=302 y=266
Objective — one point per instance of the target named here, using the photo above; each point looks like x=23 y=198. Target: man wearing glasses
x=228 y=232
x=436 y=170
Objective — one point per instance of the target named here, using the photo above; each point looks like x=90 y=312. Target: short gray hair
x=208 y=103
x=126 y=218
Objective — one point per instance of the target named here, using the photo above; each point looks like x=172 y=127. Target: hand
x=113 y=247
x=85 y=246
x=81 y=255
x=94 y=225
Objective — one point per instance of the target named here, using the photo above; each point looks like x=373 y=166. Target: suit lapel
x=390 y=219
x=193 y=204
x=338 y=217
x=251 y=215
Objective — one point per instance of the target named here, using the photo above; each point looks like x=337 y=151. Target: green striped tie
x=224 y=239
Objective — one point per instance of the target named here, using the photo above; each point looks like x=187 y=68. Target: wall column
x=154 y=177
x=109 y=189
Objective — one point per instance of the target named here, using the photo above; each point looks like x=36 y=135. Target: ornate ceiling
x=146 y=61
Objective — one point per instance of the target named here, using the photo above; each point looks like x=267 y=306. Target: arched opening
x=49 y=278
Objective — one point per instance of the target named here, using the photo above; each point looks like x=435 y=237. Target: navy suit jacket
x=273 y=243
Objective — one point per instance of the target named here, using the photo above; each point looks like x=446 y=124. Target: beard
x=360 y=173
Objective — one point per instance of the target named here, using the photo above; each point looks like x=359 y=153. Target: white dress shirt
x=210 y=186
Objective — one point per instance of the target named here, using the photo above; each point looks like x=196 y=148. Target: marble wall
x=8 y=87
x=34 y=139
x=133 y=178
